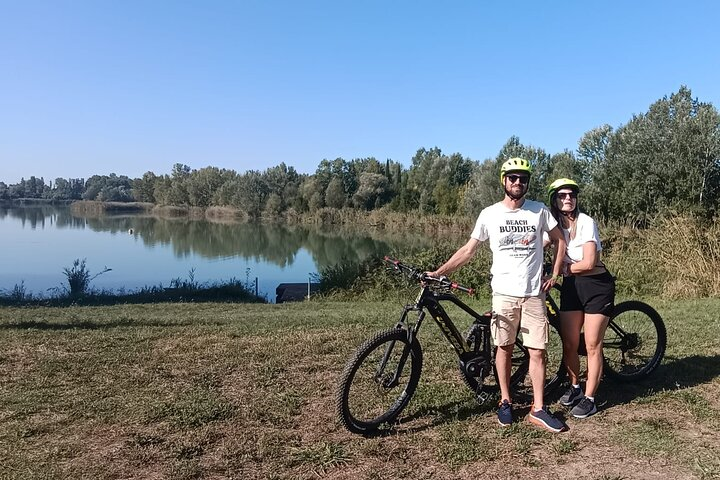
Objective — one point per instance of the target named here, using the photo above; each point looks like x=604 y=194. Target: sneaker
x=571 y=396
x=584 y=409
x=543 y=418
x=504 y=414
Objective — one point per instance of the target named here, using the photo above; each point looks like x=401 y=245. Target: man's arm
x=459 y=258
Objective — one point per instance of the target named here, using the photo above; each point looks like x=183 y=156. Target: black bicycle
x=380 y=378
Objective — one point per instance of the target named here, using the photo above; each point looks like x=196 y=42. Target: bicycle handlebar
x=420 y=276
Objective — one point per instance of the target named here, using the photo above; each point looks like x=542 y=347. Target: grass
x=223 y=390
x=79 y=292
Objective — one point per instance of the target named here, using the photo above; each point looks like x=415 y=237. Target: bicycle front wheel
x=378 y=381
x=634 y=341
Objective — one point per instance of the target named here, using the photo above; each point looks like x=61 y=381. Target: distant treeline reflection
x=277 y=244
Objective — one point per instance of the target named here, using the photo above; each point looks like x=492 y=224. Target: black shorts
x=590 y=294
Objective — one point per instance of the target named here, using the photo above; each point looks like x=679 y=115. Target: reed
x=89 y=208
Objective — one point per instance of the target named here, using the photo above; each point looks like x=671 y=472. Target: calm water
x=37 y=242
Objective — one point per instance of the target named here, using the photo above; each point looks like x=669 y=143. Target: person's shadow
x=671 y=374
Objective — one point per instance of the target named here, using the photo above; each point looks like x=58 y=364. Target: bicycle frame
x=430 y=300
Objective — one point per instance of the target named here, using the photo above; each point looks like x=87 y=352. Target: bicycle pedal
x=482 y=397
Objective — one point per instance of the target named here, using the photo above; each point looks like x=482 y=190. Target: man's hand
x=549 y=282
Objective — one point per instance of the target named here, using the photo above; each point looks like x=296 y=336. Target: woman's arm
x=588 y=261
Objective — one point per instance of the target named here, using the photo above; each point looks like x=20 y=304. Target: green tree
x=373 y=191
x=283 y=181
x=273 y=206
x=335 y=195
x=312 y=194
x=202 y=184
x=93 y=186
x=592 y=153
x=144 y=188
x=61 y=190
x=665 y=159
x=251 y=193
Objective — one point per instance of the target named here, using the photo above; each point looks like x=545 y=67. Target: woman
x=587 y=297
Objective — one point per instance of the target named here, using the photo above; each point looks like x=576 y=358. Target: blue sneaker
x=584 y=409
x=504 y=414
x=543 y=418
x=571 y=396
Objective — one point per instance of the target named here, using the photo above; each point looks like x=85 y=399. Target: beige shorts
x=526 y=313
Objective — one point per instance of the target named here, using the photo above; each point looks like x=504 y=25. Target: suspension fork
x=411 y=335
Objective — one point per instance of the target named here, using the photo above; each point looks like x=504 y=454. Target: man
x=514 y=228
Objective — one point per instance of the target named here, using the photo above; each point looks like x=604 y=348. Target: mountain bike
x=380 y=378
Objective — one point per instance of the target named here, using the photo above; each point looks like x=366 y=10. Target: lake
x=38 y=241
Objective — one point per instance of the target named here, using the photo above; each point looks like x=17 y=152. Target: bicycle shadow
x=672 y=374
x=434 y=415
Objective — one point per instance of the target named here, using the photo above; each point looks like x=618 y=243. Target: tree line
x=666 y=159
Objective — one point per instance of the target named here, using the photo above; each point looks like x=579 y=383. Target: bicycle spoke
x=631 y=343
x=379 y=384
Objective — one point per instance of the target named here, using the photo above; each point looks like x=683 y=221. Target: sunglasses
x=523 y=179
x=564 y=195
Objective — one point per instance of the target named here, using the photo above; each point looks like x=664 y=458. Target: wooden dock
x=294 y=292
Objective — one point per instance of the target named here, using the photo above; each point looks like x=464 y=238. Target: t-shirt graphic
x=521 y=239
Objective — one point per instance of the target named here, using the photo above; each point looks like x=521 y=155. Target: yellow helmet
x=515 y=164
x=562 y=183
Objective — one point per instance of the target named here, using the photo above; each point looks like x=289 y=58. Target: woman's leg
x=570 y=325
x=595 y=325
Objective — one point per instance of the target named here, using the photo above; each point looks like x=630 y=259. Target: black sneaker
x=543 y=418
x=571 y=396
x=504 y=414
x=584 y=409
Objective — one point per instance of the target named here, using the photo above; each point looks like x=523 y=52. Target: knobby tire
x=639 y=352
x=365 y=403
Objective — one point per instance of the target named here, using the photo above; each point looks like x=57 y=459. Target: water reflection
x=274 y=244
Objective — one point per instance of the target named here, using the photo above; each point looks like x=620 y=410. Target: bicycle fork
x=411 y=332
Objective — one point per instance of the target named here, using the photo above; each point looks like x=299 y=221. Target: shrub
x=79 y=278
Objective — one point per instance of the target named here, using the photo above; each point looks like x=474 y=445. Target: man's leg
x=503 y=326
x=534 y=327
x=537 y=376
x=503 y=364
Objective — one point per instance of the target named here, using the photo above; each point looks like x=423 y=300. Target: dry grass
x=689 y=251
x=246 y=391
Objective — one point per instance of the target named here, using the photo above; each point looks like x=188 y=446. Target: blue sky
x=99 y=87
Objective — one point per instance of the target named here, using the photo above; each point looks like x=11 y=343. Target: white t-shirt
x=516 y=240
x=586 y=231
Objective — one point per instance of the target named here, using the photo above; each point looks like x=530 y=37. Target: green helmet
x=514 y=165
x=562 y=183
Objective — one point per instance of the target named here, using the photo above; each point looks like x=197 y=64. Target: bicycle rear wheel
x=378 y=381
x=634 y=341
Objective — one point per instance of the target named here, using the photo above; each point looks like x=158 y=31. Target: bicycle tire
x=519 y=369
x=355 y=407
x=638 y=351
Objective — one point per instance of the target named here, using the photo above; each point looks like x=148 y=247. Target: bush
x=79 y=278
